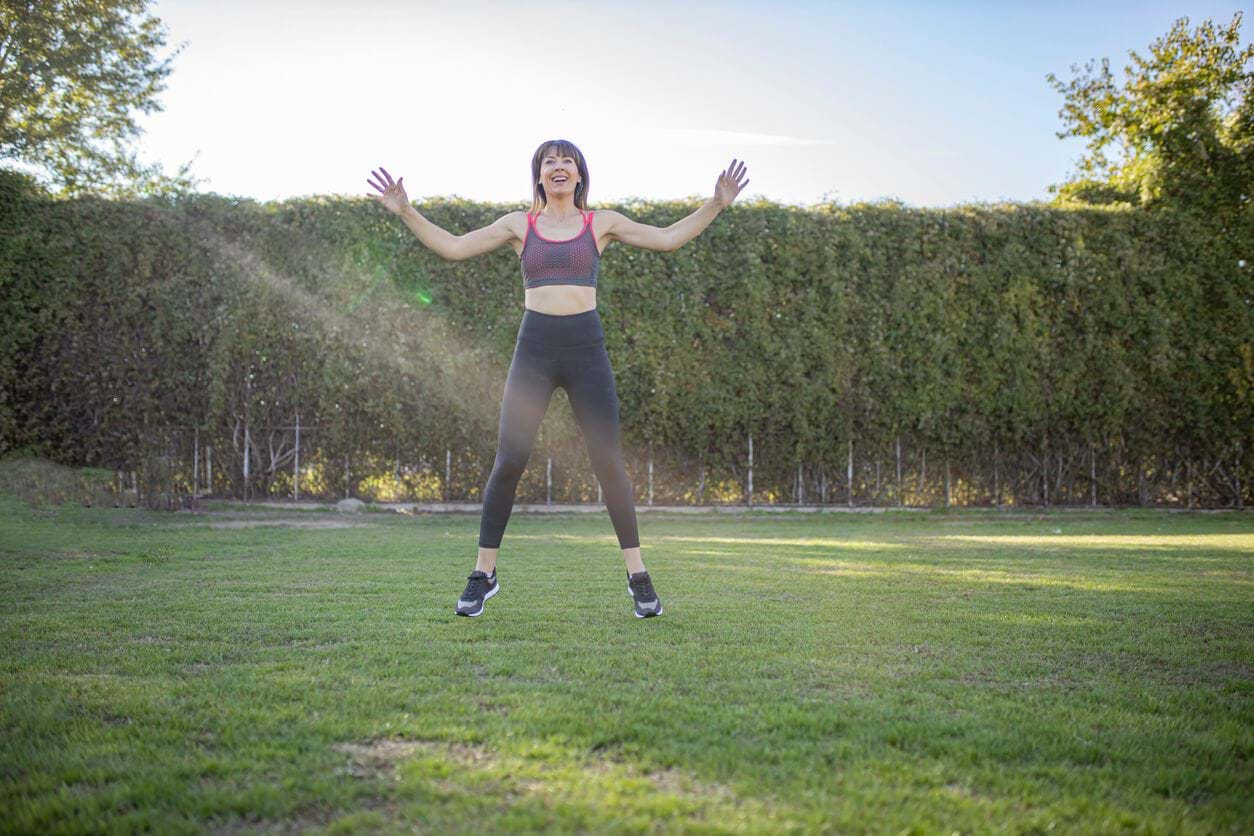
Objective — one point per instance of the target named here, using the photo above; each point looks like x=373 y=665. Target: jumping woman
x=560 y=341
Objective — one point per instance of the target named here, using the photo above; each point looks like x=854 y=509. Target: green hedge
x=1007 y=342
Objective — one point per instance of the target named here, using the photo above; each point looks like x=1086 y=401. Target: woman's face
x=558 y=174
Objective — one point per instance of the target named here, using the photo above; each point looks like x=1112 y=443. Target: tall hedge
x=1027 y=352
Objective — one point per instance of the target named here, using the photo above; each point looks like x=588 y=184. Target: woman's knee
x=607 y=460
x=510 y=464
x=614 y=475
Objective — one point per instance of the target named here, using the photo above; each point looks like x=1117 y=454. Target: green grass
x=921 y=672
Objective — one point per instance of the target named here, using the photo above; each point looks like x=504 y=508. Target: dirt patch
x=378 y=758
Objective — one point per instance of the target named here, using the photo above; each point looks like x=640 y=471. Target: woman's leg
x=589 y=382
x=528 y=388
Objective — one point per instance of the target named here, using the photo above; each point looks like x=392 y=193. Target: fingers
x=384 y=178
x=730 y=179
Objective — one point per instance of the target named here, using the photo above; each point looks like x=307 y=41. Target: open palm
x=729 y=185
x=391 y=195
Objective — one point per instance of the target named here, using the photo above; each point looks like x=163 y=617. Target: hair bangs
x=561 y=148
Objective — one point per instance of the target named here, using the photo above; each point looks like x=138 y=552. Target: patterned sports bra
x=573 y=261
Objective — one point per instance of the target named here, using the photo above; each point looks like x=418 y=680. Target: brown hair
x=562 y=148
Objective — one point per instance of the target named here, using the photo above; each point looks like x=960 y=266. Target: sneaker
x=479 y=588
x=640 y=588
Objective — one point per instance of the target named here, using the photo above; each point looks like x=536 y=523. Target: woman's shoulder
x=516 y=221
x=604 y=218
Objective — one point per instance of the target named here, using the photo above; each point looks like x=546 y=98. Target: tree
x=71 y=71
x=1184 y=123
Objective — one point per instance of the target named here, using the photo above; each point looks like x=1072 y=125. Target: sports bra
x=573 y=261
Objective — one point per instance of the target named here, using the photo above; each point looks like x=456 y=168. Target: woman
x=560 y=341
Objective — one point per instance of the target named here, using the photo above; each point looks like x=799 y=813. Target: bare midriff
x=561 y=299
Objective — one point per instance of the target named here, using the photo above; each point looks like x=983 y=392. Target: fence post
x=1093 y=474
x=195 y=462
x=701 y=484
x=548 y=481
x=899 y=500
x=750 y=470
x=346 y=476
x=947 y=494
x=600 y=501
x=650 y=472
x=996 y=478
x=170 y=456
x=822 y=486
x=448 y=473
x=849 y=472
x=247 y=447
x=209 y=468
x=923 y=476
x=1045 y=471
x=800 y=493
x=296 y=466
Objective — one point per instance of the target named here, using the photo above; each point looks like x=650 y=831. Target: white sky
x=934 y=103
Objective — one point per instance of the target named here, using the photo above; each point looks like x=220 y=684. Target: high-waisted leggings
x=551 y=351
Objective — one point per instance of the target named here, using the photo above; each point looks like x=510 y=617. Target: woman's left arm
x=683 y=230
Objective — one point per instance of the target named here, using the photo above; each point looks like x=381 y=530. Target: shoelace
x=644 y=588
x=477 y=586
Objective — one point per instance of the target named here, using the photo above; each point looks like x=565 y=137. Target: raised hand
x=391 y=195
x=728 y=184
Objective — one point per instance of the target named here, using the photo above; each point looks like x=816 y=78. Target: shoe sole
x=479 y=612
x=644 y=615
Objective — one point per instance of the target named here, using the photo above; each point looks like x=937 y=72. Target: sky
x=931 y=103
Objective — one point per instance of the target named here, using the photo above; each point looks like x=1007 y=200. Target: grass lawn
x=923 y=672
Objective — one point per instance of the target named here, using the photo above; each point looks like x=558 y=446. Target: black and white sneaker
x=479 y=588
x=640 y=588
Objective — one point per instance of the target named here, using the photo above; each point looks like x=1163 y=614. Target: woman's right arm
x=441 y=242
x=459 y=247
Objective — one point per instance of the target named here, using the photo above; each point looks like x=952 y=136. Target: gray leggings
x=551 y=351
